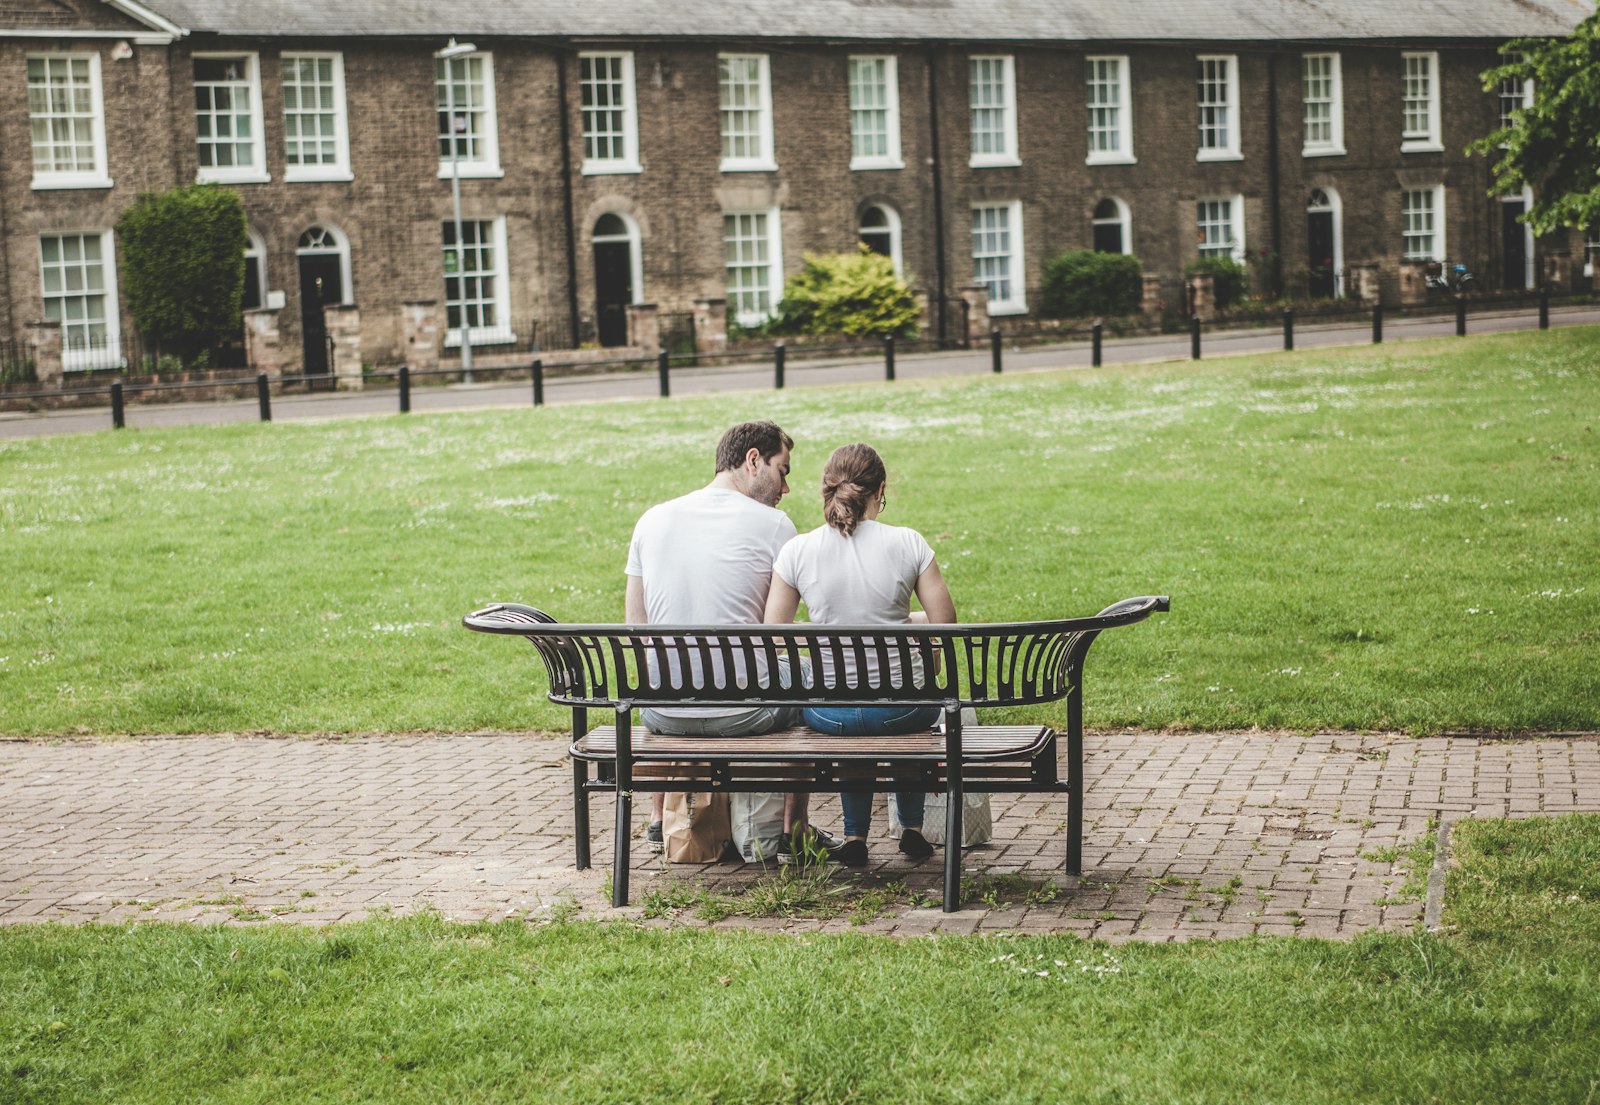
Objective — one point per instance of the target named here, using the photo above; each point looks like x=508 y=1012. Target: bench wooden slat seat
x=621 y=668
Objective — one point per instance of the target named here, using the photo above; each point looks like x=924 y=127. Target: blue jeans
x=882 y=721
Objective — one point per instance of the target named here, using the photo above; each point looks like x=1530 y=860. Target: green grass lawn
x=1504 y=1008
x=1396 y=536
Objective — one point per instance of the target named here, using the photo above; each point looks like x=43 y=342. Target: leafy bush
x=183 y=267
x=1083 y=283
x=847 y=293
x=1230 y=279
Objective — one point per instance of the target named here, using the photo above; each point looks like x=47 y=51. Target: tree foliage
x=847 y=293
x=183 y=267
x=1553 y=144
x=1083 y=283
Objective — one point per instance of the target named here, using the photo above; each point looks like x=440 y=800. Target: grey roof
x=906 y=20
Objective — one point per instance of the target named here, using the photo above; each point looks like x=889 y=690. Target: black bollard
x=1377 y=324
x=1096 y=335
x=263 y=397
x=888 y=357
x=1194 y=337
x=994 y=348
x=779 y=356
x=1544 y=308
x=662 y=367
x=117 y=419
x=405 y=389
x=1288 y=327
x=538 y=382
x=1461 y=316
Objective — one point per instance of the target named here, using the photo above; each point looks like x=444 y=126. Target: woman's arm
x=932 y=593
x=782 y=602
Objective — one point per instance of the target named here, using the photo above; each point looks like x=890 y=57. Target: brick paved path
x=242 y=829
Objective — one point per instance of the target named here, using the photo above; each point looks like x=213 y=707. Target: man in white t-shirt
x=705 y=558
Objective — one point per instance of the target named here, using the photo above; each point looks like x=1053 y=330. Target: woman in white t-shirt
x=855 y=570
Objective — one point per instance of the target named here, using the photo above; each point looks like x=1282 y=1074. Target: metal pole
x=888 y=357
x=1544 y=308
x=662 y=367
x=538 y=382
x=405 y=389
x=1377 y=323
x=1096 y=337
x=117 y=419
x=994 y=347
x=455 y=199
x=263 y=397
x=778 y=353
x=1194 y=337
x=1288 y=327
x=1461 y=316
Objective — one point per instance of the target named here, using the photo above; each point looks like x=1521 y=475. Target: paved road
x=1188 y=835
x=615 y=385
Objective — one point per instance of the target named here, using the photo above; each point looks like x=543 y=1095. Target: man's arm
x=633 y=609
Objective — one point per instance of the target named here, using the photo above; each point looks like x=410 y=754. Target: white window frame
x=1235 y=226
x=1591 y=249
x=1121 y=151
x=891 y=227
x=774 y=267
x=1437 y=211
x=1016 y=259
x=635 y=251
x=1334 y=146
x=339 y=168
x=1124 y=221
x=256 y=171
x=628 y=108
x=111 y=355
x=1229 y=150
x=501 y=332
x=487 y=164
x=1007 y=107
x=1336 y=206
x=97 y=176
x=763 y=159
x=1412 y=139
x=890 y=108
x=1517 y=90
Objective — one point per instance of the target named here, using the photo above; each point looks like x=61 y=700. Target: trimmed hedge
x=847 y=293
x=182 y=255
x=1083 y=283
x=1229 y=278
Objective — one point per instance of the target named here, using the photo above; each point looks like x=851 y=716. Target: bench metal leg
x=619 y=872
x=1075 y=781
x=952 y=808
x=580 y=811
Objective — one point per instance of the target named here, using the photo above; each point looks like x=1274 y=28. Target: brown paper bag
x=695 y=826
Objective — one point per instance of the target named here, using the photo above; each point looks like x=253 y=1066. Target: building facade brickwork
x=558 y=234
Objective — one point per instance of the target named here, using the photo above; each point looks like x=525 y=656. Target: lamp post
x=451 y=51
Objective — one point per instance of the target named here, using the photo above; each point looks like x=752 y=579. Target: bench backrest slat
x=1013 y=664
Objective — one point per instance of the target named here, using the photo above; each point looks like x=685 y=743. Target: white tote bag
x=977 y=823
x=757 y=825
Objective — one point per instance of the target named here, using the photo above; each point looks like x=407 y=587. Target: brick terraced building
x=621 y=165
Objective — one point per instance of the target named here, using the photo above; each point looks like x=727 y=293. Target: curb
x=1434 y=908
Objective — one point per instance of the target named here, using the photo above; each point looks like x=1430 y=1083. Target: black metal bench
x=609 y=667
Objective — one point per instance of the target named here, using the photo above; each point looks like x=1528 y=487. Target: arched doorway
x=1323 y=249
x=880 y=231
x=324 y=279
x=615 y=252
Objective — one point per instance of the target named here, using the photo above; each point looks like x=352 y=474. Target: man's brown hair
x=736 y=444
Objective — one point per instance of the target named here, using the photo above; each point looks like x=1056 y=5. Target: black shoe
x=915 y=845
x=810 y=844
x=852 y=853
x=654 y=839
